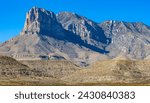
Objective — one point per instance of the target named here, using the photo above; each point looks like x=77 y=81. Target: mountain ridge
x=77 y=38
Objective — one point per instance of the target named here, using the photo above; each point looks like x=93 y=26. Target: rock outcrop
x=129 y=39
x=43 y=22
x=86 y=29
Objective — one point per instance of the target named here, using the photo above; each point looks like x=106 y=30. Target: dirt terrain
x=38 y=72
x=62 y=72
x=113 y=72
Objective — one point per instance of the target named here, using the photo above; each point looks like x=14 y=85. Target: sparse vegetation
x=62 y=72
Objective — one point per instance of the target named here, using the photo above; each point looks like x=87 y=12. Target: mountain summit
x=76 y=38
x=41 y=21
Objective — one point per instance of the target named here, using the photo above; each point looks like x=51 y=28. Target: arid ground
x=63 y=73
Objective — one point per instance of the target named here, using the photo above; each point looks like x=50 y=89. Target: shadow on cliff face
x=76 y=39
x=97 y=34
x=70 y=37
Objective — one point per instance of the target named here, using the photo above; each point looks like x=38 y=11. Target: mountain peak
x=69 y=14
x=38 y=10
x=41 y=21
x=65 y=16
x=34 y=8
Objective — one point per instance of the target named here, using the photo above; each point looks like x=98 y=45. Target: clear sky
x=12 y=12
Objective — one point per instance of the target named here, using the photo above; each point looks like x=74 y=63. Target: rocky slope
x=86 y=29
x=13 y=72
x=112 y=72
x=9 y=67
x=130 y=39
x=77 y=38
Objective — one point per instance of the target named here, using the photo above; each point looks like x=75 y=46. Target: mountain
x=129 y=39
x=73 y=37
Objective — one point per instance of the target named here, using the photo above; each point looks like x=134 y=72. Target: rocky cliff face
x=77 y=38
x=43 y=22
x=130 y=39
x=86 y=29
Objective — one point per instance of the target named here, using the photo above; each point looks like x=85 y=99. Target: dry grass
x=124 y=72
x=62 y=72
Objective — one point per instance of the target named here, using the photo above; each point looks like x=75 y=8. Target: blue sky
x=12 y=12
